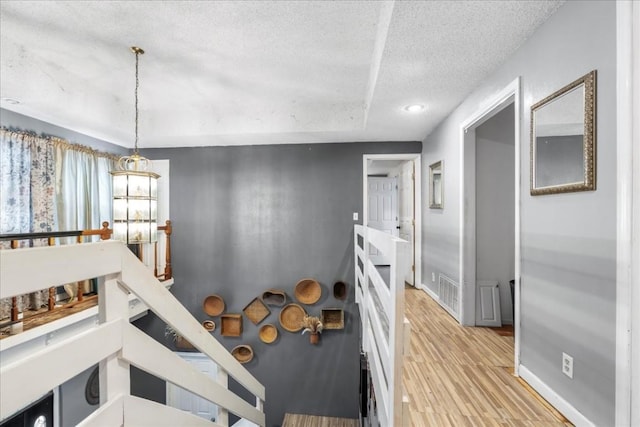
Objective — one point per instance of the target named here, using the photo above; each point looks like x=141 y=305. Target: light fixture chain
x=137 y=84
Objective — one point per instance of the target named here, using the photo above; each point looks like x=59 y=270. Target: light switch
x=355 y=216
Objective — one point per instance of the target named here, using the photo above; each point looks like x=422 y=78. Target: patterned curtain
x=27 y=197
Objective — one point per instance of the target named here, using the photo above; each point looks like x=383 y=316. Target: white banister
x=114 y=343
x=110 y=413
x=136 y=350
x=141 y=412
x=55 y=365
x=384 y=328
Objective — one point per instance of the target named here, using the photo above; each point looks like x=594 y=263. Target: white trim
x=627 y=399
x=564 y=407
x=417 y=182
x=429 y=292
x=510 y=94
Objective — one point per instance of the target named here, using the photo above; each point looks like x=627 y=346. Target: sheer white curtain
x=83 y=187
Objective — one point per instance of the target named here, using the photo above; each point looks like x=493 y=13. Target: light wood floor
x=457 y=376
x=296 y=420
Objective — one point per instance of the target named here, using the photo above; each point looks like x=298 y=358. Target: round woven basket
x=308 y=291
x=243 y=353
x=209 y=325
x=291 y=317
x=268 y=333
x=213 y=305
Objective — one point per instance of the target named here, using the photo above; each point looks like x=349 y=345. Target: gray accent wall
x=568 y=240
x=251 y=218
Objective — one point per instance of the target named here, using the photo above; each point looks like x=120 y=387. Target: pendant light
x=135 y=192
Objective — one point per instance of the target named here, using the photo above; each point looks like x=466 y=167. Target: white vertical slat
x=223 y=380
x=54 y=365
x=113 y=303
x=141 y=412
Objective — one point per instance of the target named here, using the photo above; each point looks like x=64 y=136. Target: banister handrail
x=382 y=315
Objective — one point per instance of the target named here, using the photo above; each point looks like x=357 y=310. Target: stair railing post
x=223 y=413
x=113 y=305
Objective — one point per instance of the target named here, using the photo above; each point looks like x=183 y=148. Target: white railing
x=116 y=344
x=385 y=330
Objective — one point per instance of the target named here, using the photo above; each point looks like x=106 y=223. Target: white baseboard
x=429 y=291
x=564 y=407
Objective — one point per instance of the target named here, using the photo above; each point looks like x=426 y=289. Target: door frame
x=511 y=94
x=417 y=206
x=627 y=398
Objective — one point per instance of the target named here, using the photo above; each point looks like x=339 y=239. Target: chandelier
x=135 y=191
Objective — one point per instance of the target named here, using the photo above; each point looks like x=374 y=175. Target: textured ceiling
x=245 y=72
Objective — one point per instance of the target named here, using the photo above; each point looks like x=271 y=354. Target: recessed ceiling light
x=10 y=101
x=414 y=108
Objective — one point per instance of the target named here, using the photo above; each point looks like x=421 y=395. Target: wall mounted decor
x=436 y=185
x=209 y=325
x=268 y=333
x=332 y=318
x=308 y=291
x=563 y=139
x=256 y=311
x=275 y=297
x=340 y=290
x=231 y=325
x=213 y=305
x=243 y=353
x=291 y=317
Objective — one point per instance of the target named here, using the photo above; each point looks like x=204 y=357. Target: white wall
x=495 y=205
x=568 y=240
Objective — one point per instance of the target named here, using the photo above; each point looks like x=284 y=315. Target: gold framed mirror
x=563 y=139
x=436 y=185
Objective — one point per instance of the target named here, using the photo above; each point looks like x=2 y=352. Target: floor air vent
x=449 y=293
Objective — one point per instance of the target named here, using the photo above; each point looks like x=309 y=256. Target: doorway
x=478 y=180
x=405 y=170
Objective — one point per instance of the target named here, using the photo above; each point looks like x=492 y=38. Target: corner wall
x=568 y=300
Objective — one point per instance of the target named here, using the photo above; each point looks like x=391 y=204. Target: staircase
x=106 y=337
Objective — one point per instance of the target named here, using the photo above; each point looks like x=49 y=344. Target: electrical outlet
x=567 y=365
x=355 y=216
x=433 y=277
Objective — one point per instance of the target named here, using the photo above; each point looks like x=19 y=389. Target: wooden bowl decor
x=291 y=317
x=340 y=290
x=268 y=333
x=256 y=311
x=308 y=291
x=213 y=305
x=332 y=318
x=275 y=297
x=231 y=325
x=209 y=325
x=242 y=353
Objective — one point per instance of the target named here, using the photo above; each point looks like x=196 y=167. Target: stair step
x=297 y=420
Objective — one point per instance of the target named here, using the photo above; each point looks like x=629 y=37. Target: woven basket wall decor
x=308 y=291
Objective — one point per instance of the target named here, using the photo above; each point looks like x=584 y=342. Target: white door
x=488 y=304
x=383 y=211
x=406 y=197
x=186 y=401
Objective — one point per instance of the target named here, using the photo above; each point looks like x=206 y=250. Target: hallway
x=457 y=376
